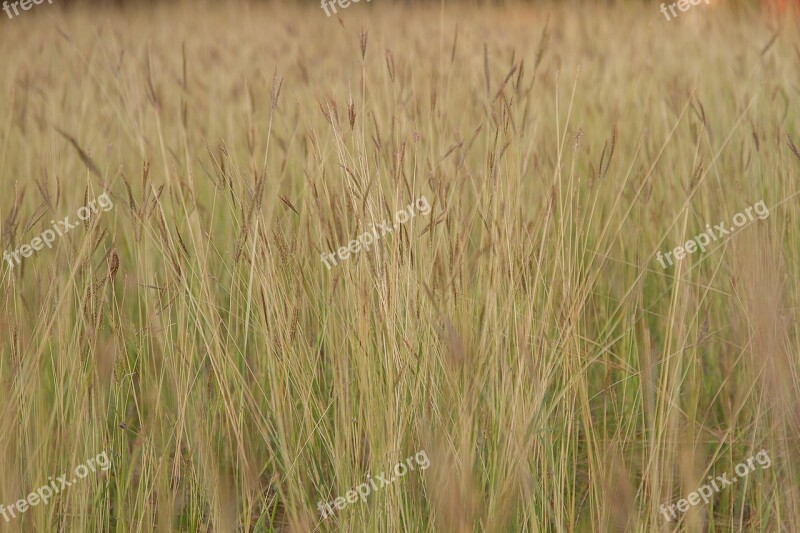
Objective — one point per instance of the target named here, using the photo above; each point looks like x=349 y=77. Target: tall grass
x=523 y=334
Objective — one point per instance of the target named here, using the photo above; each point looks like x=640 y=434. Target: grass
x=523 y=334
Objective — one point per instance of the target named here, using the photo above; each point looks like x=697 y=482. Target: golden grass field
x=523 y=334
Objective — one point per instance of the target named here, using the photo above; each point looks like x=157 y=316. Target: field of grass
x=523 y=335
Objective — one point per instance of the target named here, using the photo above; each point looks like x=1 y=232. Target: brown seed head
x=113 y=263
x=363 y=42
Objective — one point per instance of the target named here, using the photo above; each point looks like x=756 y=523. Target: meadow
x=522 y=334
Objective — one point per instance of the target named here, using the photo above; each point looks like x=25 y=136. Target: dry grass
x=523 y=334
